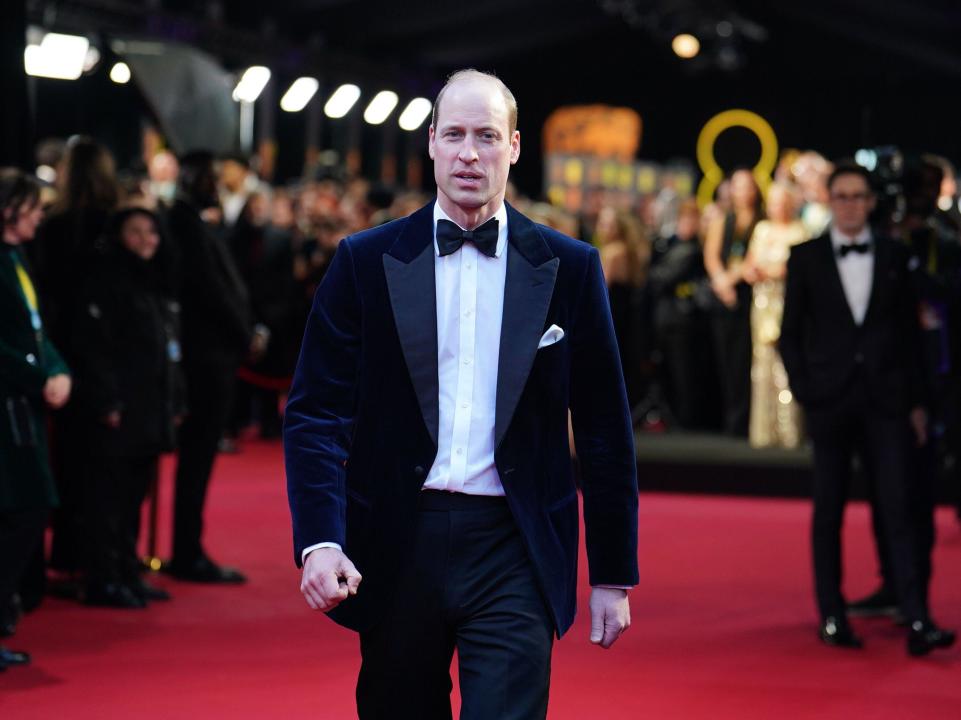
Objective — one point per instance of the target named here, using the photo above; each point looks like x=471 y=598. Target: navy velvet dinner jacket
x=360 y=430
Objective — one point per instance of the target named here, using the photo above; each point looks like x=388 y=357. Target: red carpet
x=724 y=627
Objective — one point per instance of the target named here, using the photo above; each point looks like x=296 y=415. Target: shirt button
x=467 y=361
x=468 y=266
x=460 y=451
x=464 y=405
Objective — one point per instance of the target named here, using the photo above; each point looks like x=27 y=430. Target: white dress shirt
x=856 y=271
x=470 y=307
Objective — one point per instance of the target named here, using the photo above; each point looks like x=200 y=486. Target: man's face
x=851 y=202
x=472 y=148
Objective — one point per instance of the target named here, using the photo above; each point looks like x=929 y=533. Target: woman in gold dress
x=775 y=415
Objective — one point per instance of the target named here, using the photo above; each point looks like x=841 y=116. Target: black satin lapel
x=834 y=272
x=880 y=266
x=527 y=297
x=412 y=299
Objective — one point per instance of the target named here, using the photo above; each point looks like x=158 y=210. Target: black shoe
x=13 y=657
x=112 y=594
x=923 y=637
x=881 y=603
x=837 y=633
x=147 y=592
x=204 y=570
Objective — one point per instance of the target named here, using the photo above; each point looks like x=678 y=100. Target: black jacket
x=823 y=348
x=217 y=325
x=675 y=282
x=126 y=340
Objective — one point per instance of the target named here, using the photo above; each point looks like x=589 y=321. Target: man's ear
x=430 y=142
x=515 y=146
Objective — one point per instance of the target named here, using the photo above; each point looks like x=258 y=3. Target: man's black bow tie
x=859 y=248
x=450 y=237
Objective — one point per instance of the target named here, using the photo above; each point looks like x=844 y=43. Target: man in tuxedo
x=850 y=344
x=427 y=455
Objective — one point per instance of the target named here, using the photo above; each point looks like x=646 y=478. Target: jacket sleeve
x=791 y=342
x=603 y=436
x=320 y=409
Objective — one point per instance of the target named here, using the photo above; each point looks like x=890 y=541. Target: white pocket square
x=554 y=334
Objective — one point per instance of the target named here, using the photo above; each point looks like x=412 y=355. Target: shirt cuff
x=608 y=587
x=308 y=550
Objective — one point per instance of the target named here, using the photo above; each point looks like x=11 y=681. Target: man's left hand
x=610 y=615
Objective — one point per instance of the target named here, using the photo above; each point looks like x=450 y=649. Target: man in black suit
x=217 y=334
x=849 y=340
x=426 y=437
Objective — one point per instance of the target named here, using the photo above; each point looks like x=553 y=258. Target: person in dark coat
x=64 y=254
x=217 y=335
x=130 y=395
x=33 y=377
x=679 y=324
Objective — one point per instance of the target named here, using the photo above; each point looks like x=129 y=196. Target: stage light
x=91 y=59
x=341 y=101
x=868 y=159
x=686 y=46
x=252 y=83
x=120 y=73
x=415 y=113
x=47 y=174
x=299 y=94
x=58 y=56
x=380 y=107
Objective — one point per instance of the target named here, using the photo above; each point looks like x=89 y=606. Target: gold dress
x=775 y=415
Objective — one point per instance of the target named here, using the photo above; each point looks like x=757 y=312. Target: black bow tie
x=860 y=248
x=450 y=237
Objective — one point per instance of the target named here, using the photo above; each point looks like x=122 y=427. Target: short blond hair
x=472 y=73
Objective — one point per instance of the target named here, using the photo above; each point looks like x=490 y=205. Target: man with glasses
x=850 y=344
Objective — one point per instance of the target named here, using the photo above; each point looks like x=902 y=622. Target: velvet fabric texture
x=362 y=415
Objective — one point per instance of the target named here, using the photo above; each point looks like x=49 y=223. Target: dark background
x=831 y=75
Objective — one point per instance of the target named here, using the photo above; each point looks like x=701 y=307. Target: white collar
x=838 y=238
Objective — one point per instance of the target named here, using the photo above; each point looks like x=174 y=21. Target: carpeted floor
x=724 y=627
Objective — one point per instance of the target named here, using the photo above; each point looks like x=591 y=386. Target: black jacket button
x=419 y=471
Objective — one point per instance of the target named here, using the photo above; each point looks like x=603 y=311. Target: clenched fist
x=329 y=579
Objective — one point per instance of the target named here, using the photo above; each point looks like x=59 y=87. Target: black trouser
x=682 y=361
x=850 y=424
x=469 y=586
x=732 y=340
x=68 y=461
x=922 y=477
x=115 y=491
x=21 y=533
x=209 y=391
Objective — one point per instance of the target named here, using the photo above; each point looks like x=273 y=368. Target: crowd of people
x=144 y=313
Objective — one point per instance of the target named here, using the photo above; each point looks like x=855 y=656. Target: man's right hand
x=329 y=579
